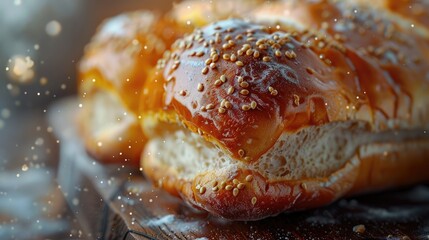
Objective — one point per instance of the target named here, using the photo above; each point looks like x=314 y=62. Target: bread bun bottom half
x=310 y=168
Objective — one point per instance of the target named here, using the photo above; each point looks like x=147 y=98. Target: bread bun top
x=240 y=85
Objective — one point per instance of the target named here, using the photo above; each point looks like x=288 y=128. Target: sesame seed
x=244 y=92
x=260 y=41
x=198 y=187
x=235 y=192
x=222 y=103
x=274 y=92
x=215 y=57
x=238 y=37
x=228 y=187
x=256 y=54
x=218 y=40
x=266 y=59
x=278 y=53
x=253 y=104
x=208 y=61
x=250 y=39
x=240 y=79
x=254 y=199
x=205 y=70
x=296 y=99
x=226 y=56
x=200 y=132
x=199 y=54
x=309 y=70
x=244 y=84
x=245 y=107
x=227 y=37
x=304 y=186
x=230 y=90
x=226 y=46
x=239 y=63
x=218 y=83
x=240 y=52
x=227 y=105
x=203 y=108
x=290 y=54
x=223 y=78
x=249 y=52
x=249 y=178
x=263 y=46
x=241 y=152
x=277 y=46
x=215 y=188
x=233 y=57
x=200 y=87
x=241 y=186
x=231 y=42
x=221 y=110
x=202 y=190
x=182 y=93
x=235 y=181
x=246 y=46
x=210 y=106
x=212 y=65
x=222 y=185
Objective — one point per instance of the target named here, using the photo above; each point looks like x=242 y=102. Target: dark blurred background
x=41 y=43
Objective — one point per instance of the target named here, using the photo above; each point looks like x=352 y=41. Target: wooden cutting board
x=116 y=202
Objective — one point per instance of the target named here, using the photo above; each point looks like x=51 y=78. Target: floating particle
x=5 y=113
x=75 y=201
x=39 y=142
x=43 y=81
x=21 y=69
x=53 y=28
x=24 y=168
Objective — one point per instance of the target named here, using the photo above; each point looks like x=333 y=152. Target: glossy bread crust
x=241 y=85
x=115 y=66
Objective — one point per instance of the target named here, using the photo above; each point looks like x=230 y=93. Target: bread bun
x=249 y=120
x=112 y=72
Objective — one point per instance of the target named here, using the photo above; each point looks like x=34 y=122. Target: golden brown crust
x=395 y=57
x=414 y=11
x=375 y=72
x=115 y=65
x=272 y=83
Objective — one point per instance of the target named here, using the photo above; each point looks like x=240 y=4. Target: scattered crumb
x=359 y=228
